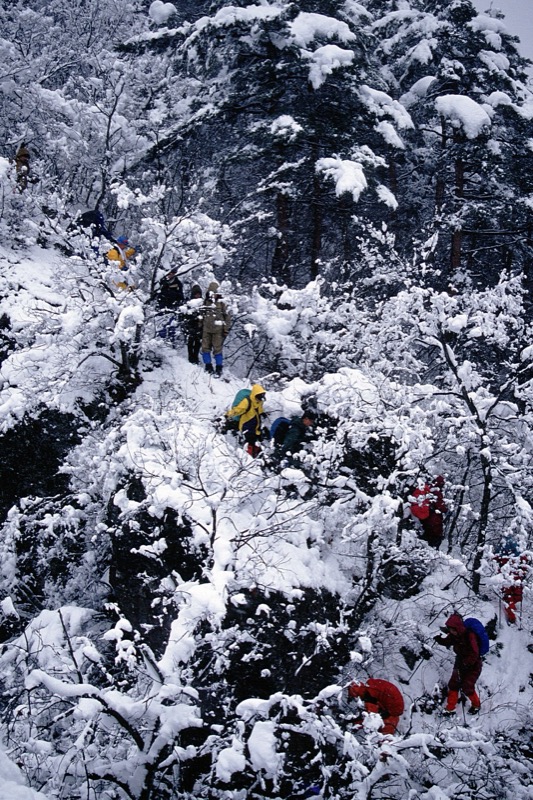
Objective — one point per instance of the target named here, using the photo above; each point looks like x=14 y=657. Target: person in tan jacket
x=216 y=324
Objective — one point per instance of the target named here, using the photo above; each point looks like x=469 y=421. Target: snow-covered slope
x=265 y=542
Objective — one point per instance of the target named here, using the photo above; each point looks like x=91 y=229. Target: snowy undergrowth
x=229 y=553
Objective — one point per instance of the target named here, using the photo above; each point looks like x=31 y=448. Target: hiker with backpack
x=290 y=435
x=428 y=507
x=169 y=298
x=380 y=697
x=191 y=323
x=468 y=646
x=246 y=412
x=298 y=432
x=216 y=324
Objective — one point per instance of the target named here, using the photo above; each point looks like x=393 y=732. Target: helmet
x=122 y=240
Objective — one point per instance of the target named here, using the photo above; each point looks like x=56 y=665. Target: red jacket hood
x=456 y=623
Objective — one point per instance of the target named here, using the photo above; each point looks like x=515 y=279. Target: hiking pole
x=407 y=681
x=463 y=703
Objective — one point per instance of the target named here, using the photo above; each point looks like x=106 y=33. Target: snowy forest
x=181 y=620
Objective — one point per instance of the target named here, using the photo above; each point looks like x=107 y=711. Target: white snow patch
x=326 y=59
x=496 y=62
x=285 y=126
x=463 y=112
x=382 y=105
x=160 y=12
x=348 y=176
x=232 y=14
x=422 y=52
x=262 y=748
x=388 y=131
x=491 y=28
x=387 y=197
x=418 y=91
x=12 y=782
x=307 y=26
x=230 y=760
x=4 y=167
x=457 y=323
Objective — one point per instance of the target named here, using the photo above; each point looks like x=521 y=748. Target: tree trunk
x=440 y=184
x=316 y=218
x=483 y=520
x=457 y=236
x=457 y=242
x=280 y=259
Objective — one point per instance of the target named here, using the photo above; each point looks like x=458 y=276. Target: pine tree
x=464 y=83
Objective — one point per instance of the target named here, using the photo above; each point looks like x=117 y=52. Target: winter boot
x=510 y=616
x=475 y=703
x=453 y=697
x=209 y=368
x=218 y=370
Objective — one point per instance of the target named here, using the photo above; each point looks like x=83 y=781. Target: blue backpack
x=278 y=429
x=473 y=624
x=241 y=395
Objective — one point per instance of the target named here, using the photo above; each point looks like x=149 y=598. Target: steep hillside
x=204 y=609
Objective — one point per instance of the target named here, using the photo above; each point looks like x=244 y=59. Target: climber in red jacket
x=428 y=506
x=467 y=667
x=380 y=697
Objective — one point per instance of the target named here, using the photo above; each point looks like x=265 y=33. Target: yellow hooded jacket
x=244 y=413
x=121 y=254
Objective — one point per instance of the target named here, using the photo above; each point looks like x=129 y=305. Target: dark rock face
x=31 y=455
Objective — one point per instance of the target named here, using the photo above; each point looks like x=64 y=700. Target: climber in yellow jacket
x=249 y=412
x=121 y=253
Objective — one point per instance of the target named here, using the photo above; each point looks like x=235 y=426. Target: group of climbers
x=468 y=639
x=205 y=321
x=92 y=223
x=288 y=436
